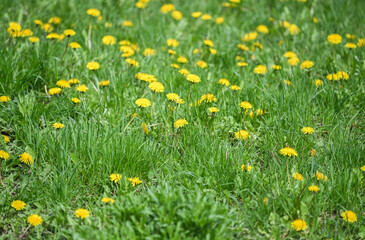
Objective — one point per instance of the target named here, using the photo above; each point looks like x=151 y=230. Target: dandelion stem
x=64 y=52
x=89 y=35
x=153 y=97
x=287 y=169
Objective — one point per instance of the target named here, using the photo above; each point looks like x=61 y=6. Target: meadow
x=236 y=119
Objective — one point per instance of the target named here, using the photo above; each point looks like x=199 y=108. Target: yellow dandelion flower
x=180 y=123
x=298 y=176
x=294 y=61
x=135 y=181
x=184 y=72
x=307 y=130
x=242 y=135
x=26 y=158
x=166 y=8
x=4 y=99
x=208 y=98
x=193 y=78
x=4 y=155
x=334 y=38
x=156 y=87
x=177 y=15
x=196 y=14
x=234 y=88
x=33 y=39
x=143 y=102
x=58 y=125
x=127 y=23
x=350 y=45
x=74 y=81
x=35 y=219
x=18 y=205
x=313 y=188
x=82 y=88
x=321 y=176
x=149 y=52
x=299 y=225
x=306 y=64
x=93 y=65
x=63 y=83
x=313 y=152
x=208 y=42
x=262 y=29
x=69 y=32
x=132 y=62
x=213 y=110
x=287 y=151
x=93 y=12
x=349 y=216
x=260 y=69
x=182 y=59
x=107 y=199
x=276 y=67
x=172 y=42
x=54 y=91
x=206 y=17
x=362 y=168
x=242 y=64
x=224 y=82
x=266 y=201
x=53 y=36
x=75 y=100
x=82 y=213
x=115 y=177
x=109 y=40
x=104 y=83
x=290 y=54
x=219 y=20
x=245 y=105
x=174 y=65
x=6 y=139
x=318 y=82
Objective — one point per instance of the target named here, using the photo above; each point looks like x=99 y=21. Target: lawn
x=126 y=119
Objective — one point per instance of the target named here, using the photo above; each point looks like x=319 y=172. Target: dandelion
x=166 y=8
x=75 y=100
x=287 y=151
x=241 y=135
x=26 y=158
x=306 y=64
x=262 y=29
x=177 y=15
x=349 y=216
x=180 y=123
x=73 y=81
x=307 y=130
x=266 y=201
x=206 y=17
x=109 y=40
x=208 y=42
x=75 y=45
x=350 y=45
x=361 y=42
x=33 y=39
x=135 y=181
x=18 y=205
x=244 y=167
x=213 y=110
x=196 y=14
x=149 y=52
x=313 y=188
x=293 y=61
x=6 y=139
x=234 y=88
x=55 y=20
x=54 y=91
x=298 y=176
x=313 y=152
x=4 y=99
x=104 y=83
x=318 y=82
x=245 y=105
x=156 y=87
x=276 y=67
x=82 y=213
x=127 y=23
x=172 y=43
x=4 y=155
x=293 y=29
x=334 y=38
x=174 y=65
x=35 y=219
x=321 y=176
x=107 y=199
x=182 y=59
x=115 y=177
x=58 y=125
x=53 y=36
x=219 y=20
x=362 y=168
x=201 y=64
x=242 y=64
x=132 y=62
x=63 y=83
x=82 y=88
x=93 y=12
x=208 y=98
x=224 y=82
x=69 y=32
x=143 y=102
x=193 y=78
x=299 y=225
x=290 y=54
x=93 y=65
x=260 y=69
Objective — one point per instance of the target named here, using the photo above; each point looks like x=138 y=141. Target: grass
x=192 y=183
